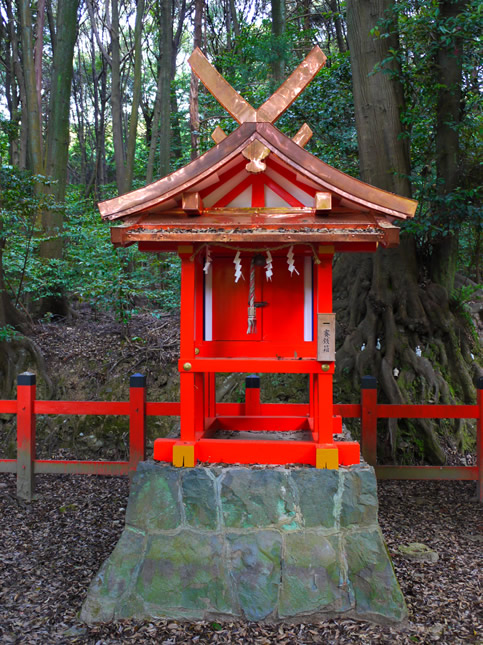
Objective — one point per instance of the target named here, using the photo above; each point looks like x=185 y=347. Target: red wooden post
x=188 y=405
x=252 y=396
x=479 y=439
x=369 y=419
x=200 y=410
x=323 y=426
x=137 y=420
x=188 y=397
x=25 y=436
x=210 y=394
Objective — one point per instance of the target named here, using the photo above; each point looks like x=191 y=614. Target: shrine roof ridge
x=300 y=160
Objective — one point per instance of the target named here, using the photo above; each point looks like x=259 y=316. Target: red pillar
x=137 y=420
x=26 y=390
x=199 y=402
x=323 y=390
x=252 y=396
x=188 y=399
x=369 y=419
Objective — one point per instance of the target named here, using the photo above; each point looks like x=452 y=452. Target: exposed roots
x=404 y=333
x=17 y=356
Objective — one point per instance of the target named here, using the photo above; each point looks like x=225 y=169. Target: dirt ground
x=51 y=549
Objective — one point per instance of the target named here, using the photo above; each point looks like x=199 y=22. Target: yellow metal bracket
x=327 y=458
x=184 y=455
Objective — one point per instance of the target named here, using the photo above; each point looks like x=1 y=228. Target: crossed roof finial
x=273 y=107
x=269 y=112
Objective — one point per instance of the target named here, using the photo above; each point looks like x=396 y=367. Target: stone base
x=261 y=544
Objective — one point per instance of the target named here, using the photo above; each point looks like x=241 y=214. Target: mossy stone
x=371 y=575
x=186 y=571
x=315 y=495
x=359 y=498
x=255 y=564
x=154 y=500
x=115 y=578
x=312 y=575
x=198 y=489
x=257 y=499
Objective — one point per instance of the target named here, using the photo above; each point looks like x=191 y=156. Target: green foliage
x=8 y=333
x=109 y=279
x=422 y=32
x=92 y=271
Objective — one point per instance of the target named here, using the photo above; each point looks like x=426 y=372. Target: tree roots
x=402 y=330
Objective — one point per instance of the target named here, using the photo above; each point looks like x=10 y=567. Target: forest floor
x=51 y=549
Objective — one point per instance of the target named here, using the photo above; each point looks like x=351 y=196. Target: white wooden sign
x=326 y=337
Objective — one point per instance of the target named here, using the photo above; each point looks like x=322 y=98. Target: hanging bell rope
x=252 y=312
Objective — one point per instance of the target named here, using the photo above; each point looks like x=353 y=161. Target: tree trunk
x=448 y=73
x=57 y=144
x=378 y=100
x=32 y=105
x=194 y=85
x=136 y=97
x=57 y=147
x=20 y=153
x=335 y=8
x=116 y=100
x=384 y=312
x=162 y=106
x=278 y=30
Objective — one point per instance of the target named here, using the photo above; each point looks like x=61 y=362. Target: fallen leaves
x=48 y=558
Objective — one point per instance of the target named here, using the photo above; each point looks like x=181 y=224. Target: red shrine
x=256 y=221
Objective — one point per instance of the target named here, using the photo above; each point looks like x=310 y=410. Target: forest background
x=97 y=99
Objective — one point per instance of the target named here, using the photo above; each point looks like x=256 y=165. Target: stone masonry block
x=254 y=561
x=257 y=499
x=359 y=498
x=312 y=575
x=154 y=499
x=186 y=570
x=315 y=492
x=114 y=578
x=199 y=498
x=261 y=544
x=371 y=575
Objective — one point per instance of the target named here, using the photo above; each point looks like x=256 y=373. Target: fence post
x=252 y=396
x=479 y=439
x=137 y=420
x=26 y=389
x=369 y=419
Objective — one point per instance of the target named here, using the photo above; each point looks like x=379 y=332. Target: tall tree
x=380 y=299
x=448 y=76
x=161 y=124
x=50 y=158
x=136 y=96
x=116 y=99
x=278 y=30
x=194 y=84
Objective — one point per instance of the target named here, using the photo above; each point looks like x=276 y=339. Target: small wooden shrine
x=256 y=221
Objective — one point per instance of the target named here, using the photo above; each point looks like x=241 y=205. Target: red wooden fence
x=26 y=407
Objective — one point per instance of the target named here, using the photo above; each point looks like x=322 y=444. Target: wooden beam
x=218 y=135
x=303 y=136
x=223 y=92
x=295 y=84
x=323 y=203
x=191 y=203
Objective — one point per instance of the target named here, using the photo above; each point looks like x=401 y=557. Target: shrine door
x=284 y=304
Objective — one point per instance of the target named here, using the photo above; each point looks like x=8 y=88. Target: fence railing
x=27 y=407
